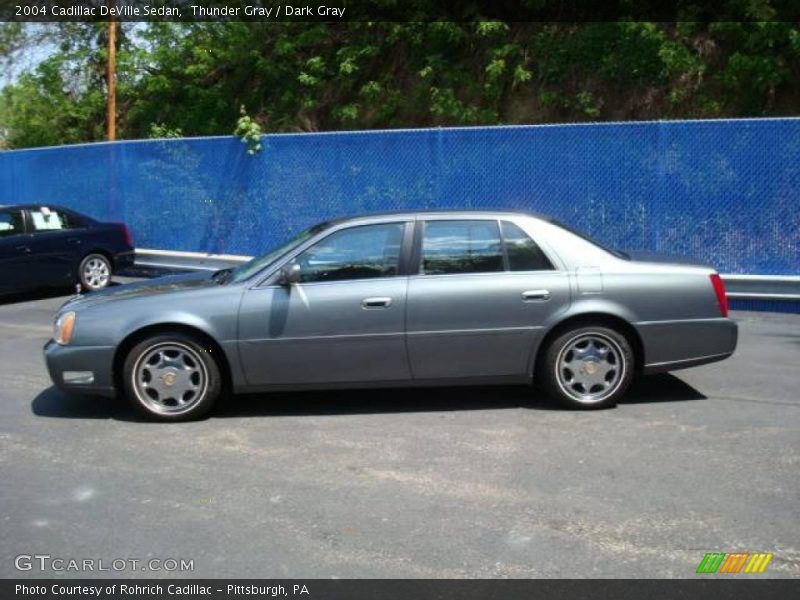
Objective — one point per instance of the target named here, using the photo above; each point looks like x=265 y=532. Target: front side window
x=47 y=219
x=11 y=223
x=361 y=252
x=259 y=263
x=523 y=253
x=461 y=247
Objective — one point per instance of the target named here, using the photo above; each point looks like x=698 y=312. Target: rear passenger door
x=56 y=244
x=482 y=292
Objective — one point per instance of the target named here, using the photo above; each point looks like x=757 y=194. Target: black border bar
x=270 y=11
x=702 y=588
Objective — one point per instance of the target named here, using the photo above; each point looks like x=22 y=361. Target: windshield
x=583 y=236
x=252 y=267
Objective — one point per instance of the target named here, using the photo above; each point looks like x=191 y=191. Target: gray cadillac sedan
x=404 y=299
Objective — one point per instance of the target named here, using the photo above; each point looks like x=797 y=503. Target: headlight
x=63 y=328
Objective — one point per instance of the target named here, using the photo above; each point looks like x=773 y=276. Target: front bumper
x=81 y=369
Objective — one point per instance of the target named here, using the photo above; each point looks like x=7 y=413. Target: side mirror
x=290 y=274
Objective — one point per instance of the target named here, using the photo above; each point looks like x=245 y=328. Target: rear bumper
x=672 y=345
x=81 y=369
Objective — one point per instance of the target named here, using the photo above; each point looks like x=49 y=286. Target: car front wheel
x=94 y=272
x=171 y=377
x=588 y=367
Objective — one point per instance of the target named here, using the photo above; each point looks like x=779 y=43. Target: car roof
x=39 y=205
x=386 y=213
x=450 y=212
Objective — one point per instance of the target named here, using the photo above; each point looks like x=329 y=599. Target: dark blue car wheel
x=94 y=272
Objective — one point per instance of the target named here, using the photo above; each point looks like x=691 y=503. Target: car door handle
x=379 y=302
x=536 y=295
x=75 y=241
x=25 y=249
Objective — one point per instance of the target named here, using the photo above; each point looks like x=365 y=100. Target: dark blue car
x=50 y=246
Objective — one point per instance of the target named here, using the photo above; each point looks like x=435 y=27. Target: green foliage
x=194 y=77
x=249 y=132
x=42 y=109
x=161 y=131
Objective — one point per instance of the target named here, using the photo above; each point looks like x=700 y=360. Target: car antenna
x=78 y=289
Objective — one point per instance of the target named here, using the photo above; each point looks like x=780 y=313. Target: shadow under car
x=656 y=388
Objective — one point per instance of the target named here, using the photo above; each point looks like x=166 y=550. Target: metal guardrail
x=778 y=288
x=172 y=260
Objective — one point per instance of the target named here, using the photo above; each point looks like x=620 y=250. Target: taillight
x=719 y=290
x=126 y=232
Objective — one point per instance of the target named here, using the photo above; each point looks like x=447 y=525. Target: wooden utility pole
x=111 y=76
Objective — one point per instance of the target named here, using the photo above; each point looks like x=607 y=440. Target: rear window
x=48 y=219
x=523 y=253
x=594 y=242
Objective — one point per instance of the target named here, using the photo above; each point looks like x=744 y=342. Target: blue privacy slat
x=724 y=191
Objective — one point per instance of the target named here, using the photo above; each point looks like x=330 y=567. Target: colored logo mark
x=736 y=562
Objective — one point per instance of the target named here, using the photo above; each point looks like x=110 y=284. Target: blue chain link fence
x=727 y=191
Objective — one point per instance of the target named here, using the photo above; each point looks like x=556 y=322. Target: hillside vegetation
x=194 y=79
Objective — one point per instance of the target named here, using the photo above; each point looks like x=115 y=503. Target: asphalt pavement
x=454 y=482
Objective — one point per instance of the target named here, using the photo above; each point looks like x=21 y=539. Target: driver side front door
x=343 y=322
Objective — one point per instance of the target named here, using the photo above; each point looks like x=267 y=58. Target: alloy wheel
x=590 y=367
x=96 y=273
x=170 y=378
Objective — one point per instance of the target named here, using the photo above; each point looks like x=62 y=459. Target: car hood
x=669 y=259
x=170 y=284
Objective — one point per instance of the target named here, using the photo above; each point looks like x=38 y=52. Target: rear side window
x=47 y=219
x=523 y=253
x=11 y=223
x=461 y=247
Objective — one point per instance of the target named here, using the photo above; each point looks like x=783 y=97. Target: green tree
x=194 y=77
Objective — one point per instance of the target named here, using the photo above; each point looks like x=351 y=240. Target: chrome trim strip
x=439 y=332
x=322 y=338
x=688 y=360
x=348 y=336
x=676 y=321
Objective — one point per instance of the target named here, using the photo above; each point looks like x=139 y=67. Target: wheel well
x=611 y=321
x=141 y=334
x=97 y=251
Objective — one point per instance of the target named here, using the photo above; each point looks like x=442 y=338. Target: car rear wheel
x=94 y=272
x=171 y=377
x=588 y=367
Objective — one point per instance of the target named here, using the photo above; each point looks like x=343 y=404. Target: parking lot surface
x=454 y=482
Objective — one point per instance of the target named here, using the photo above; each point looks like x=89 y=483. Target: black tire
x=597 y=381
x=167 y=360
x=94 y=272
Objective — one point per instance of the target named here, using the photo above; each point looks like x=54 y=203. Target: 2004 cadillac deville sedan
x=411 y=299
